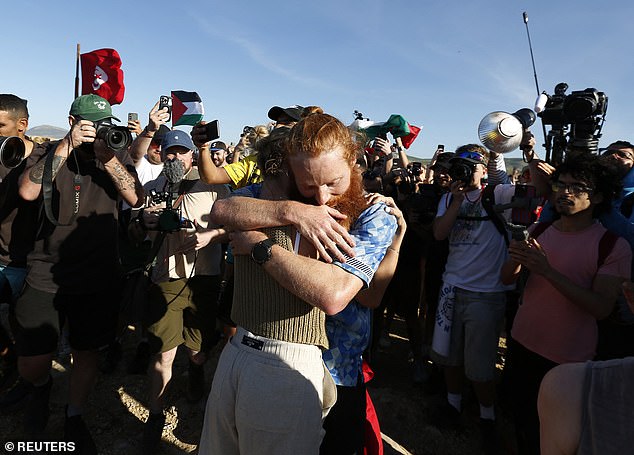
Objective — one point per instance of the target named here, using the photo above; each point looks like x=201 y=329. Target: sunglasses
x=572 y=188
x=470 y=156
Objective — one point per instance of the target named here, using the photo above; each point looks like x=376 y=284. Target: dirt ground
x=116 y=411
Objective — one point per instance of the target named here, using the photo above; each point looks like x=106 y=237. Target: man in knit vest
x=271 y=389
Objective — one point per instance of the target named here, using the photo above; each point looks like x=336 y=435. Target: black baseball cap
x=218 y=145
x=294 y=112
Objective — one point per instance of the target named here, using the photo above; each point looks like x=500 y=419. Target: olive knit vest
x=265 y=308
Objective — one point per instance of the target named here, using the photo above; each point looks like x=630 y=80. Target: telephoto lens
x=12 y=151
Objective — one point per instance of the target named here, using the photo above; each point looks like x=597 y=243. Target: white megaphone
x=502 y=132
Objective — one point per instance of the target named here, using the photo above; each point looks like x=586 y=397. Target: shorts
x=182 y=311
x=12 y=277
x=39 y=315
x=475 y=333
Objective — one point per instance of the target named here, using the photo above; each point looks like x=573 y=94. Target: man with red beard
x=271 y=390
x=576 y=268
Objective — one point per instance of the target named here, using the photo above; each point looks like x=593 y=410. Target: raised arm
x=209 y=172
x=31 y=179
x=139 y=146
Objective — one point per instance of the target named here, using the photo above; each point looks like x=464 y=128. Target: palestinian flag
x=187 y=108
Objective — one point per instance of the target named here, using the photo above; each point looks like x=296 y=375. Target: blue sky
x=442 y=65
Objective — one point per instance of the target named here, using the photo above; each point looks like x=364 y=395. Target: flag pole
x=77 y=73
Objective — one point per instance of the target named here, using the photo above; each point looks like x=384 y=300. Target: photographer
x=472 y=291
x=73 y=270
x=18 y=219
x=185 y=277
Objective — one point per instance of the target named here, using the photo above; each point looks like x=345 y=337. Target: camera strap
x=47 y=191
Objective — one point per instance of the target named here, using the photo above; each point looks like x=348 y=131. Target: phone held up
x=212 y=131
x=166 y=101
x=133 y=117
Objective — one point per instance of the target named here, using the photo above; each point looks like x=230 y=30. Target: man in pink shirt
x=575 y=274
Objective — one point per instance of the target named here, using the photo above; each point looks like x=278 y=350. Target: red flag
x=409 y=139
x=101 y=74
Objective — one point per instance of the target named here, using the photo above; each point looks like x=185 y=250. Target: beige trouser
x=267 y=397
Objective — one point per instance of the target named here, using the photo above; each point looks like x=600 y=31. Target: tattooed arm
x=31 y=179
x=127 y=184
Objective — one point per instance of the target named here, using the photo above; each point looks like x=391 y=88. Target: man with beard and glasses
x=271 y=390
x=576 y=267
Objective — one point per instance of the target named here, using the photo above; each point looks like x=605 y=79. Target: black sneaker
x=195 y=382
x=75 y=430
x=152 y=433
x=37 y=410
x=446 y=417
x=491 y=444
x=141 y=360
x=15 y=393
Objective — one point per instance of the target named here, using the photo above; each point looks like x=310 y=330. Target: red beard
x=352 y=202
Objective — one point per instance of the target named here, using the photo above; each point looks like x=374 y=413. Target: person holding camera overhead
x=73 y=269
x=185 y=277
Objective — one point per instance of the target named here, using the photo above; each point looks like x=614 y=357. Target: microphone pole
x=530 y=47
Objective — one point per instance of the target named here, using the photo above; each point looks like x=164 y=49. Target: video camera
x=576 y=120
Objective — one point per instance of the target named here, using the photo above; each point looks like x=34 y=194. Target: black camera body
x=116 y=137
x=576 y=120
x=461 y=171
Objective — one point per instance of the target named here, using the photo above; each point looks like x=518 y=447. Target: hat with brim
x=294 y=112
x=442 y=161
x=217 y=145
x=176 y=138
x=91 y=107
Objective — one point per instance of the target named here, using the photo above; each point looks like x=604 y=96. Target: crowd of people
x=296 y=249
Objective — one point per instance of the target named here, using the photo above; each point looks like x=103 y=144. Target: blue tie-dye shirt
x=349 y=330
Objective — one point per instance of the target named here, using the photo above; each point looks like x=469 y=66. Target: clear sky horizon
x=441 y=65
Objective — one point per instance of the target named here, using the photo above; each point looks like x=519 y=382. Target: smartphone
x=212 y=131
x=166 y=101
x=441 y=148
x=133 y=117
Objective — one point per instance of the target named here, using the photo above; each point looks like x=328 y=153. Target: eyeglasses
x=572 y=188
x=470 y=156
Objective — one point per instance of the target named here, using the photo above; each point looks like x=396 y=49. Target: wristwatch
x=262 y=251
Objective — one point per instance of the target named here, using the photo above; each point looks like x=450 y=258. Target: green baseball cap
x=91 y=107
